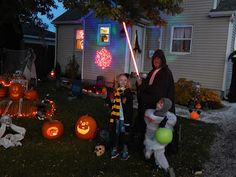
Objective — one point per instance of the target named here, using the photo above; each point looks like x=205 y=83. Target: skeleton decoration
x=9 y=139
x=99 y=150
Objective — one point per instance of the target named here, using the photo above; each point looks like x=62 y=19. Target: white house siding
x=232 y=48
x=205 y=64
x=66 y=45
x=153 y=39
x=117 y=48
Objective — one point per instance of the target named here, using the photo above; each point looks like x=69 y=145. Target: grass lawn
x=68 y=156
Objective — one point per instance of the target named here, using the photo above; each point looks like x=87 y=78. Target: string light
x=103 y=58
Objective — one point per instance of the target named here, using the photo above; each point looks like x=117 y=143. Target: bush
x=72 y=68
x=186 y=95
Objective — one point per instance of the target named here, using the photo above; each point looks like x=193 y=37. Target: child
x=157 y=118
x=121 y=116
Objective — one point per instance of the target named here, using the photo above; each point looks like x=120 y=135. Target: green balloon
x=163 y=135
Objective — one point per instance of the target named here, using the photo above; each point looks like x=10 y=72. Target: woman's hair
x=160 y=54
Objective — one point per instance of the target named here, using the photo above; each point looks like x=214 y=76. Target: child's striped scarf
x=115 y=110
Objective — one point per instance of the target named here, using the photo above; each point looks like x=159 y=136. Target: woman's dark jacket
x=162 y=86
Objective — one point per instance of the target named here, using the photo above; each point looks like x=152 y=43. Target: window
x=181 y=39
x=79 y=42
x=104 y=34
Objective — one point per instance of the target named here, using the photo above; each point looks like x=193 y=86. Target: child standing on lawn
x=155 y=119
x=121 y=117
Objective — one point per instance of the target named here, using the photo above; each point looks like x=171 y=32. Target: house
x=196 y=42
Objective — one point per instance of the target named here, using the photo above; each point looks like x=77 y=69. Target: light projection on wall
x=103 y=58
x=79 y=44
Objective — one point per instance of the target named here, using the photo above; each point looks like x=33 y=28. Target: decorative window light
x=181 y=39
x=104 y=31
x=79 y=42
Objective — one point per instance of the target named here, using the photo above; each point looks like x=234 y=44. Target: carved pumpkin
x=16 y=91
x=3 y=93
x=85 y=127
x=31 y=95
x=198 y=106
x=52 y=129
x=194 y=115
x=104 y=91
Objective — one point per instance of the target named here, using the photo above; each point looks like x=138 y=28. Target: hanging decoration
x=103 y=58
x=136 y=44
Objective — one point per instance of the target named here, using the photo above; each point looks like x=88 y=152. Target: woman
x=158 y=83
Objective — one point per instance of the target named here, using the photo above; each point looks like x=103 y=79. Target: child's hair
x=117 y=80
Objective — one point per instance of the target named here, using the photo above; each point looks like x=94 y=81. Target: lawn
x=69 y=156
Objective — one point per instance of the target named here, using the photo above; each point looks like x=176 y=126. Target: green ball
x=163 y=135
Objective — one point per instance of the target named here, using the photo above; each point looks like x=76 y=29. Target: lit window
x=79 y=42
x=104 y=34
x=181 y=39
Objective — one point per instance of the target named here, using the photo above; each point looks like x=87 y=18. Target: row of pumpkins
x=17 y=91
x=85 y=128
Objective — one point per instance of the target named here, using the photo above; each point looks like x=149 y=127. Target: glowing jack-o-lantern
x=85 y=127
x=31 y=95
x=52 y=129
x=16 y=91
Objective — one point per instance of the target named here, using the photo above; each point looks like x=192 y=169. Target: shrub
x=183 y=91
x=72 y=68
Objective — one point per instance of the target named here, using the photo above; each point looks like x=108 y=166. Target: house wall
x=232 y=48
x=205 y=63
x=66 y=45
x=117 y=48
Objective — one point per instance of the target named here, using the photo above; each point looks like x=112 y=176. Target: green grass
x=68 y=156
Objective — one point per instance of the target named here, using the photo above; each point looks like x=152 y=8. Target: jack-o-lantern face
x=16 y=91
x=52 y=129
x=86 y=127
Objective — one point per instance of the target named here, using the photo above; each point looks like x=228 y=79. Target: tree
x=127 y=10
x=15 y=12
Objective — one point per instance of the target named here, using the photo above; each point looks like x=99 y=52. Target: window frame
x=99 y=34
x=171 y=39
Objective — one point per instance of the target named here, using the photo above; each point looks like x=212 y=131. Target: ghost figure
x=10 y=140
x=99 y=150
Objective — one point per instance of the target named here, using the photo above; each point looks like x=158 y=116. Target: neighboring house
x=196 y=42
x=43 y=44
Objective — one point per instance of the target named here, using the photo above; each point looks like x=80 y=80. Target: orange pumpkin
x=104 y=91
x=52 y=129
x=198 y=106
x=194 y=115
x=31 y=95
x=85 y=127
x=3 y=93
x=16 y=91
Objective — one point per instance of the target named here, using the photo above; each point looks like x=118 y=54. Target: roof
x=30 y=30
x=225 y=5
x=68 y=16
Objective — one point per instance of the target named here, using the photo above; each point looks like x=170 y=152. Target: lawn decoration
x=8 y=139
x=31 y=95
x=198 y=106
x=85 y=127
x=194 y=114
x=164 y=136
x=99 y=150
x=52 y=129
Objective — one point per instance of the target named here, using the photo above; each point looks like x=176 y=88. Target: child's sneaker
x=125 y=156
x=114 y=153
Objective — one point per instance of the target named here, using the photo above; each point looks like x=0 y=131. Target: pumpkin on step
x=31 y=95
x=16 y=91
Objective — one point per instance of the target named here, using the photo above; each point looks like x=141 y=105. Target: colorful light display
x=103 y=58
